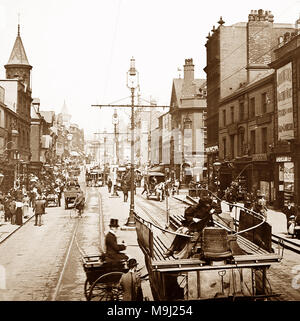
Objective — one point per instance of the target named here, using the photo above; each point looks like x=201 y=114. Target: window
x=232 y=146
x=232 y=114
x=241 y=141
x=241 y=111
x=263 y=103
x=224 y=147
x=264 y=139
x=252 y=107
x=224 y=117
x=252 y=142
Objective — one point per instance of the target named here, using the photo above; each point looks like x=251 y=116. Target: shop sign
x=259 y=157
x=285 y=102
x=280 y=159
x=288 y=174
x=212 y=149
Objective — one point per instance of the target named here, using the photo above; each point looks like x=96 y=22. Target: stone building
x=188 y=128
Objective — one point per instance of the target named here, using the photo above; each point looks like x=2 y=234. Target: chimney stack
x=189 y=70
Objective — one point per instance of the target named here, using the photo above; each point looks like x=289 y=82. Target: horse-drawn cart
x=102 y=278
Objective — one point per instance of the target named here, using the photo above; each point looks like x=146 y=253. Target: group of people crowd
x=16 y=203
x=252 y=201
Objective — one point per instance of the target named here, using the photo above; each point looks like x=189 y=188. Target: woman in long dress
x=26 y=201
x=19 y=212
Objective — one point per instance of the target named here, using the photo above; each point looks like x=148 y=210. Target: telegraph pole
x=132 y=84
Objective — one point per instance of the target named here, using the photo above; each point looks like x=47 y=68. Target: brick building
x=237 y=56
x=286 y=150
x=17 y=98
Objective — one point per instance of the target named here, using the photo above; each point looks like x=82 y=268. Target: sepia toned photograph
x=149 y=153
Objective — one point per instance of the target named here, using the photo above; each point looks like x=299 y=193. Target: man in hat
x=113 y=249
x=39 y=209
x=196 y=218
x=130 y=282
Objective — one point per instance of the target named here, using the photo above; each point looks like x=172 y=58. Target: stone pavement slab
x=7 y=229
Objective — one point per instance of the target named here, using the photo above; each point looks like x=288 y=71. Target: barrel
x=215 y=243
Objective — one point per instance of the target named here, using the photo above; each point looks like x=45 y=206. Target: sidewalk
x=7 y=229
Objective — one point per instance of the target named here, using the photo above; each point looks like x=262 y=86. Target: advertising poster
x=285 y=102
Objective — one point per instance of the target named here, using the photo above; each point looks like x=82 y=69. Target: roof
x=48 y=116
x=18 y=54
x=178 y=85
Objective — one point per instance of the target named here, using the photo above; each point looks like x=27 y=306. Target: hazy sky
x=80 y=50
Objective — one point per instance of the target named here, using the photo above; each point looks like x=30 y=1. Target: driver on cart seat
x=113 y=249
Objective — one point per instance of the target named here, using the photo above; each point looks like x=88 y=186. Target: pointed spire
x=18 y=54
x=64 y=109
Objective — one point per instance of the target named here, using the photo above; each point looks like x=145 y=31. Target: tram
x=220 y=263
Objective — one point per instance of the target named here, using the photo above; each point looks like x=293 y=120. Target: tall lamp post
x=132 y=84
x=217 y=167
x=115 y=121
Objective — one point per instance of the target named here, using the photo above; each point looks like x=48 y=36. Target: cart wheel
x=105 y=288
x=87 y=288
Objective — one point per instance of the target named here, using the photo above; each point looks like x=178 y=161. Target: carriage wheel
x=87 y=288
x=106 y=288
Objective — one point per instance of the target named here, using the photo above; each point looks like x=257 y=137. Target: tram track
x=74 y=245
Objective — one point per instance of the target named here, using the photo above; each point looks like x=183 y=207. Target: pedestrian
x=2 y=218
x=39 y=209
x=130 y=282
x=176 y=185
x=248 y=201
x=26 y=202
x=109 y=185
x=12 y=208
x=230 y=198
x=7 y=213
x=125 y=191
x=79 y=202
x=19 y=211
x=113 y=249
x=261 y=205
x=145 y=186
x=290 y=212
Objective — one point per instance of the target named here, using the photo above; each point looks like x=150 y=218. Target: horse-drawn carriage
x=153 y=180
x=95 y=178
x=102 y=278
x=218 y=263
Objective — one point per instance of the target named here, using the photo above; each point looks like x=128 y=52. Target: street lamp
x=217 y=167
x=132 y=84
x=115 y=121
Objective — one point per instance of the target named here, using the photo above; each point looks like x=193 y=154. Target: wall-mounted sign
x=259 y=157
x=212 y=149
x=285 y=102
x=280 y=159
x=288 y=174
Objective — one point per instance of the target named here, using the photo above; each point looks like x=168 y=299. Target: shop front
x=285 y=169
